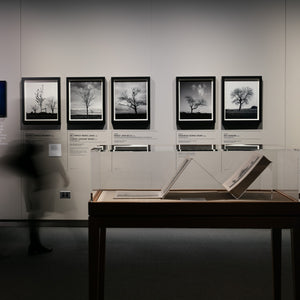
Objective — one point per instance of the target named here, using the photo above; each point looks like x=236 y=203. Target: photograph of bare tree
x=85 y=97
x=130 y=101
x=2 y=99
x=41 y=100
x=195 y=102
x=85 y=102
x=242 y=101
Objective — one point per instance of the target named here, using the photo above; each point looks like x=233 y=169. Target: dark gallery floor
x=148 y=264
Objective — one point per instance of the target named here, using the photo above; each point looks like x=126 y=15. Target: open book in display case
x=259 y=175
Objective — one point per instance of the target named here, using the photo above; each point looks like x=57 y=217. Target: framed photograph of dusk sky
x=195 y=102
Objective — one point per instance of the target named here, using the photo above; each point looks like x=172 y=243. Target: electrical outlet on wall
x=65 y=195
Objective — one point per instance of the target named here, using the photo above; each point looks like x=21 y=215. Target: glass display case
x=155 y=169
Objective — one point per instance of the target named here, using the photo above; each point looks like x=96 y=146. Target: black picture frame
x=195 y=102
x=3 y=99
x=41 y=100
x=130 y=102
x=242 y=102
x=85 y=102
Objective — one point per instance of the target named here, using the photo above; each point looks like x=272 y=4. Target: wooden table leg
x=97 y=237
x=102 y=262
x=276 y=251
x=296 y=259
x=94 y=240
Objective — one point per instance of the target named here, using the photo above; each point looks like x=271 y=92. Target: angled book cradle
x=236 y=185
x=242 y=178
x=154 y=194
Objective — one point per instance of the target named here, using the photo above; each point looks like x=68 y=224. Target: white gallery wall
x=292 y=74
x=160 y=39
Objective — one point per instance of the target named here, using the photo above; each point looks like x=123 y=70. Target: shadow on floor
x=147 y=264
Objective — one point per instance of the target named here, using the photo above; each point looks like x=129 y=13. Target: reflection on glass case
x=261 y=171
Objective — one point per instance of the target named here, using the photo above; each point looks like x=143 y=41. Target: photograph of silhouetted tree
x=241 y=100
x=131 y=100
x=195 y=100
x=85 y=100
x=41 y=100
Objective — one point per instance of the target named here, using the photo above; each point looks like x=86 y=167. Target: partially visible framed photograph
x=242 y=102
x=41 y=100
x=3 y=99
x=195 y=102
x=130 y=102
x=86 y=102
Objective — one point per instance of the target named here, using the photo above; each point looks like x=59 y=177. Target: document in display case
x=234 y=173
x=238 y=183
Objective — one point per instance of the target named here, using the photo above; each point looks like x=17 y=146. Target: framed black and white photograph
x=86 y=102
x=130 y=102
x=195 y=102
x=242 y=102
x=3 y=109
x=41 y=100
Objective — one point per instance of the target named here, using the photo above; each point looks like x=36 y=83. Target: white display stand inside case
x=208 y=170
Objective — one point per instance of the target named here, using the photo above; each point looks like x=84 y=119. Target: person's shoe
x=36 y=250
